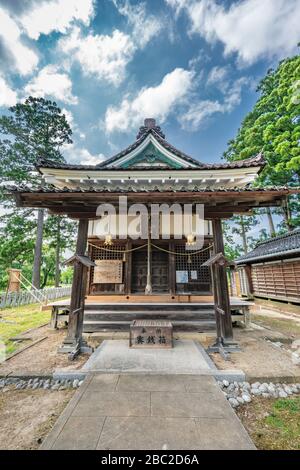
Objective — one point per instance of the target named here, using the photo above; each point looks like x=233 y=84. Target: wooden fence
x=24 y=297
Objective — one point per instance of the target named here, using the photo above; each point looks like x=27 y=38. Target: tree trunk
x=36 y=274
x=287 y=215
x=271 y=223
x=57 y=254
x=243 y=235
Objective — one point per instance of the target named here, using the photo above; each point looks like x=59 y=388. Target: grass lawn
x=16 y=320
x=273 y=424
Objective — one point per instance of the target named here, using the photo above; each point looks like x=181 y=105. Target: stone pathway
x=148 y=412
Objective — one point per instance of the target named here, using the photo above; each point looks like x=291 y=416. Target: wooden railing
x=25 y=297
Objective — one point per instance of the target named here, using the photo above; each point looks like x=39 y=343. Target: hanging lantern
x=108 y=240
x=190 y=239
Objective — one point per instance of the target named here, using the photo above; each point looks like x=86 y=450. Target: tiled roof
x=256 y=161
x=278 y=247
x=147 y=189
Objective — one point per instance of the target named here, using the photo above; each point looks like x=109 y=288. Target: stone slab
x=80 y=433
x=106 y=403
x=128 y=412
x=188 y=405
x=137 y=433
x=115 y=356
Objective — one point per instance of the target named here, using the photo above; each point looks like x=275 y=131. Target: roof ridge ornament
x=150 y=125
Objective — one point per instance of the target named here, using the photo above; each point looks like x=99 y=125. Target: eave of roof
x=286 y=245
x=253 y=162
x=140 y=189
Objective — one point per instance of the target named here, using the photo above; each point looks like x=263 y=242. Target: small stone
x=55 y=387
x=255 y=385
x=287 y=389
x=240 y=400
x=294 y=388
x=35 y=386
x=265 y=394
x=282 y=394
x=246 y=398
x=263 y=388
x=295 y=358
x=225 y=383
x=233 y=402
x=295 y=344
x=255 y=391
x=81 y=382
x=75 y=383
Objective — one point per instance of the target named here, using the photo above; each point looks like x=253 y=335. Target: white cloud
x=106 y=56
x=158 y=101
x=23 y=59
x=69 y=117
x=199 y=111
x=56 y=15
x=254 y=29
x=8 y=97
x=74 y=154
x=144 y=25
x=50 y=82
x=102 y=55
x=217 y=75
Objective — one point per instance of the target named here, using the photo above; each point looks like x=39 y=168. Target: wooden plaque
x=151 y=334
x=108 y=272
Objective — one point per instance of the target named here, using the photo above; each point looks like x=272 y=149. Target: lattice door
x=195 y=277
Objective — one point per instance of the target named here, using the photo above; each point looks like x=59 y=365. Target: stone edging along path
x=38 y=382
x=241 y=393
x=237 y=393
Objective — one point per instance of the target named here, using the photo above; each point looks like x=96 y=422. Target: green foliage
x=33 y=129
x=273 y=127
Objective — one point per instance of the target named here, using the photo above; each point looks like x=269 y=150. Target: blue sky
x=192 y=64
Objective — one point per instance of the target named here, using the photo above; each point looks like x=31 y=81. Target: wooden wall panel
x=279 y=280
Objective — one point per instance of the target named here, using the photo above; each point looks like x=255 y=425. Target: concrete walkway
x=148 y=412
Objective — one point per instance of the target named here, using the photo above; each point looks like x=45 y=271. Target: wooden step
x=107 y=315
x=95 y=326
x=179 y=307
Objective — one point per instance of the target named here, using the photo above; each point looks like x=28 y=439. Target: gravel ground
x=26 y=416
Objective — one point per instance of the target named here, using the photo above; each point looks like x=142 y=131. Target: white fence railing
x=25 y=297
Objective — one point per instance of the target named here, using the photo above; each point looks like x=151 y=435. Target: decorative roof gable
x=150 y=150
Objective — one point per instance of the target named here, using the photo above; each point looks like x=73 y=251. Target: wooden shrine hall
x=117 y=270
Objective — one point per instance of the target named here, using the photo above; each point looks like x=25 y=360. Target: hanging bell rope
x=117 y=251
x=109 y=250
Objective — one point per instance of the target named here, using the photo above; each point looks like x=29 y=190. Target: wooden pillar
x=148 y=289
x=128 y=268
x=78 y=290
x=14 y=280
x=221 y=287
x=172 y=269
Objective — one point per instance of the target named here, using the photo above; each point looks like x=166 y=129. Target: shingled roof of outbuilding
x=283 y=246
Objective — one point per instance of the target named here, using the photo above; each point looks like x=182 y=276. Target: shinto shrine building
x=164 y=270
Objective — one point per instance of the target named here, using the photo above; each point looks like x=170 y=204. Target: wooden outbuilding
x=272 y=269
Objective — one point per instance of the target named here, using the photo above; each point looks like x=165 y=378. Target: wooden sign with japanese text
x=151 y=334
x=108 y=271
